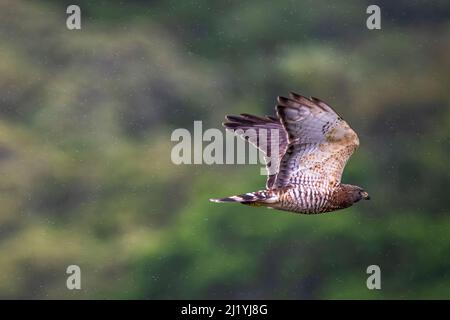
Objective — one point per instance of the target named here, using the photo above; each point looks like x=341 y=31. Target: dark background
x=86 y=176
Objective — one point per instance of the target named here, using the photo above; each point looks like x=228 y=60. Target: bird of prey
x=314 y=146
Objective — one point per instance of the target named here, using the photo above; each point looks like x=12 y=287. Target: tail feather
x=251 y=198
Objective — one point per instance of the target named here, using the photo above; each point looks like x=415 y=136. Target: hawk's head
x=348 y=194
x=357 y=193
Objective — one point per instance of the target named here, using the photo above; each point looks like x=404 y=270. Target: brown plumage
x=314 y=144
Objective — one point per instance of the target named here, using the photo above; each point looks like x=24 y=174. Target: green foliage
x=86 y=176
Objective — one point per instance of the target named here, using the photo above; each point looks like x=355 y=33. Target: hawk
x=314 y=146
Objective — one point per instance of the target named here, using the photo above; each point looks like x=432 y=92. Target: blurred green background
x=86 y=176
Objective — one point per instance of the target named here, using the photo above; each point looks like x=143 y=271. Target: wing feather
x=320 y=142
x=250 y=128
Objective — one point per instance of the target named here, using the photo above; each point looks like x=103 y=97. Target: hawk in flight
x=314 y=146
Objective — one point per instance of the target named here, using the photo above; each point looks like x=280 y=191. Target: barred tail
x=251 y=198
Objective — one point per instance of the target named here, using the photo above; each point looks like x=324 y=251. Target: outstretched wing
x=320 y=142
x=265 y=134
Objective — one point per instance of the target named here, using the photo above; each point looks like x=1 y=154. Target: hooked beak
x=365 y=195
